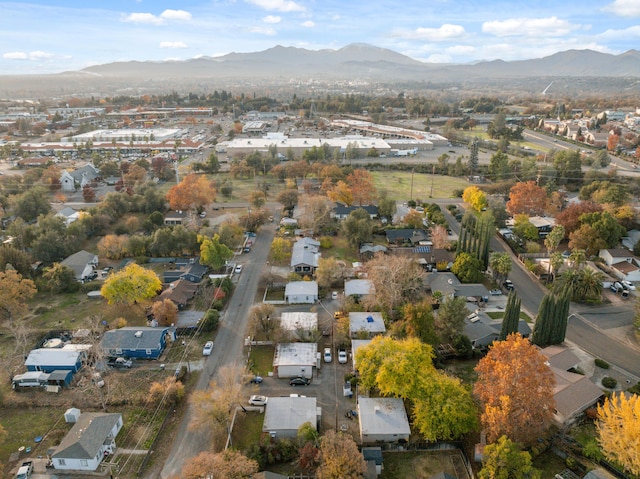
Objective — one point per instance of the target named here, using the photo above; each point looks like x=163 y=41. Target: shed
x=383 y=420
x=60 y=378
x=295 y=359
x=284 y=415
x=90 y=440
x=366 y=324
x=299 y=292
x=49 y=360
x=137 y=342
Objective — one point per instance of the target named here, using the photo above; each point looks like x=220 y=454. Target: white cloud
x=278 y=5
x=308 y=24
x=173 y=45
x=15 y=56
x=272 y=19
x=631 y=32
x=529 y=27
x=263 y=31
x=180 y=15
x=33 y=56
x=151 y=19
x=446 y=32
x=147 y=18
x=624 y=8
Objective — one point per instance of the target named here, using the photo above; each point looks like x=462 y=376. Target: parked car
x=119 y=363
x=106 y=270
x=628 y=284
x=342 y=356
x=256 y=380
x=334 y=295
x=256 y=400
x=208 y=348
x=238 y=269
x=327 y=355
x=495 y=292
x=299 y=381
x=617 y=287
x=508 y=285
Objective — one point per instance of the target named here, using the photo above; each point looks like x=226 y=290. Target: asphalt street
x=228 y=346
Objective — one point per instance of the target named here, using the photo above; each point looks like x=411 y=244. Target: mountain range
x=571 y=70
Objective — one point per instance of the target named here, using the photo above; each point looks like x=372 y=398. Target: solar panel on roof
x=422 y=249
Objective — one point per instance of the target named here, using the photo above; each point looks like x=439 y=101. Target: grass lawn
x=246 y=430
x=500 y=315
x=550 y=464
x=417 y=464
x=261 y=359
x=463 y=369
x=397 y=184
x=341 y=250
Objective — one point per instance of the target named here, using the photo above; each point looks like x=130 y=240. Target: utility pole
x=433 y=174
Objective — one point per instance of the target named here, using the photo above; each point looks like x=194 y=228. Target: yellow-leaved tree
x=515 y=391
x=475 y=197
x=619 y=430
x=133 y=284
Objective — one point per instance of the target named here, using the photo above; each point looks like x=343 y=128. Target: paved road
x=228 y=346
x=594 y=329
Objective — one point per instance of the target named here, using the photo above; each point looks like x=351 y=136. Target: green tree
x=386 y=206
x=357 y=228
x=551 y=324
x=505 y=460
x=60 y=279
x=524 y=229
x=450 y=318
x=131 y=285
x=280 y=249
x=501 y=265
x=467 y=268
x=30 y=204
x=475 y=236
x=420 y=322
x=511 y=317
x=499 y=166
x=474 y=148
x=213 y=253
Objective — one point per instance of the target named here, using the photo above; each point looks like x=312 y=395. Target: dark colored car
x=508 y=285
x=299 y=382
x=119 y=363
x=256 y=380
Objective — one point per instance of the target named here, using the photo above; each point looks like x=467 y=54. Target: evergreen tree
x=551 y=323
x=475 y=235
x=511 y=316
x=474 y=148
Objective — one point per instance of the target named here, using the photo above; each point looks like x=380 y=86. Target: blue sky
x=49 y=36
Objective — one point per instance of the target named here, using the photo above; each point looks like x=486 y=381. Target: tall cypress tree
x=511 y=316
x=542 y=326
x=551 y=323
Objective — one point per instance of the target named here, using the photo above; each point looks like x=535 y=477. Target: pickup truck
x=119 y=363
x=25 y=470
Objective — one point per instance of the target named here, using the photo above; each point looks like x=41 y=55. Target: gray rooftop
x=289 y=413
x=126 y=338
x=86 y=437
x=383 y=416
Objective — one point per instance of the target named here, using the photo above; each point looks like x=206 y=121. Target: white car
x=629 y=285
x=208 y=348
x=256 y=400
x=342 y=356
x=334 y=295
x=238 y=269
x=327 y=355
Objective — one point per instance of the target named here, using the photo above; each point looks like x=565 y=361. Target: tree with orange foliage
x=341 y=193
x=227 y=464
x=165 y=312
x=171 y=390
x=193 y=191
x=612 y=142
x=570 y=216
x=362 y=188
x=515 y=391
x=527 y=198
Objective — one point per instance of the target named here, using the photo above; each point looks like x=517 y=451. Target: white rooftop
x=289 y=413
x=370 y=322
x=291 y=321
x=294 y=354
x=383 y=416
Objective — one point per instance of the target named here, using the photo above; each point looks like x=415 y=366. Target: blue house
x=137 y=342
x=191 y=271
x=51 y=359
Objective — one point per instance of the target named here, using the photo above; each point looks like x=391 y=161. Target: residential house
x=305 y=255
x=482 y=330
x=69 y=215
x=82 y=263
x=67 y=182
x=173 y=218
x=301 y=292
x=355 y=345
x=36 y=162
x=450 y=286
x=406 y=236
x=341 y=211
x=295 y=360
x=301 y=325
x=85 y=175
x=615 y=255
x=632 y=238
x=91 y=439
x=283 y=416
x=623 y=264
x=54 y=359
x=137 y=342
x=368 y=250
x=191 y=271
x=358 y=288
x=573 y=393
x=543 y=224
x=364 y=325
x=598 y=139
x=180 y=292
x=383 y=420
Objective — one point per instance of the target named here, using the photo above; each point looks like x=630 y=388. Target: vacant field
x=397 y=184
x=261 y=359
x=246 y=430
x=422 y=464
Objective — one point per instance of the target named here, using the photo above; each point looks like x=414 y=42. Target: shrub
x=210 y=320
x=635 y=389
x=609 y=382
x=601 y=363
x=326 y=242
